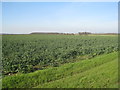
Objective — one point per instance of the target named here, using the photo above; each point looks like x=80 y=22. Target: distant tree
x=83 y=33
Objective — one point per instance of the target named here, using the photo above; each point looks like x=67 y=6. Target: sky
x=0 y=17
x=70 y=17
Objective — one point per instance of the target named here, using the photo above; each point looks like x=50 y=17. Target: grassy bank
x=100 y=71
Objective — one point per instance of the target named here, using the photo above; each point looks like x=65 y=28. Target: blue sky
x=73 y=17
x=0 y=17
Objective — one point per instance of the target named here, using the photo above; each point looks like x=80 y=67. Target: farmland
x=53 y=60
x=98 y=72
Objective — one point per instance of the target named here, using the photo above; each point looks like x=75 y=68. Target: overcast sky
x=73 y=17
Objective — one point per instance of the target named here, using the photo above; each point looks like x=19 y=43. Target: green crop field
x=99 y=72
x=59 y=61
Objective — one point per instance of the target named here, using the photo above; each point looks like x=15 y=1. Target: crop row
x=27 y=53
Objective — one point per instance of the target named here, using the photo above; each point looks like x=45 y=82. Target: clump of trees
x=84 y=33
